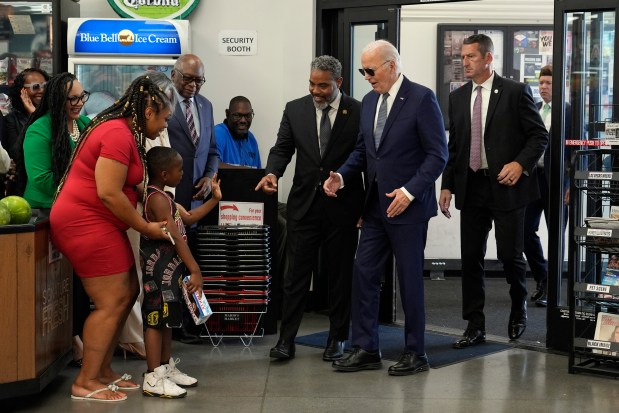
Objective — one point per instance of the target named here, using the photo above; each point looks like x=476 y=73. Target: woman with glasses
x=49 y=137
x=25 y=95
x=47 y=142
x=95 y=205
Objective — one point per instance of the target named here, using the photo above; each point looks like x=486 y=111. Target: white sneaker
x=178 y=377
x=157 y=385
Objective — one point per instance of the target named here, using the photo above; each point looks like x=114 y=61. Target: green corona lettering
x=154 y=9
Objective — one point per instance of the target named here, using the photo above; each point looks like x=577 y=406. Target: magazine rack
x=235 y=262
x=594 y=240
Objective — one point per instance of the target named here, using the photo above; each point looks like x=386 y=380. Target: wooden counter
x=36 y=321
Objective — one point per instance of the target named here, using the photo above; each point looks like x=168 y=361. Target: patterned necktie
x=380 y=121
x=325 y=130
x=190 y=123
x=475 y=155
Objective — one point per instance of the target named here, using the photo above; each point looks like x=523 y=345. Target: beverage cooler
x=107 y=54
x=33 y=34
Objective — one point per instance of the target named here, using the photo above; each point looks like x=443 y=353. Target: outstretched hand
x=268 y=184
x=332 y=184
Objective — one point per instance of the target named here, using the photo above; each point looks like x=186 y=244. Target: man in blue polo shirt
x=236 y=145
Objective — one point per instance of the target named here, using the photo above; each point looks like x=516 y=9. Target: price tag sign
x=594 y=232
x=597 y=288
x=600 y=175
x=611 y=130
x=604 y=345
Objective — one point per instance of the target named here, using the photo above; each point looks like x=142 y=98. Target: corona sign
x=154 y=9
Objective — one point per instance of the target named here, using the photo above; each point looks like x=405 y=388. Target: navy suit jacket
x=412 y=151
x=298 y=133
x=198 y=161
x=514 y=131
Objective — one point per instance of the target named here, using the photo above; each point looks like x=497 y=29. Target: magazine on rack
x=607 y=329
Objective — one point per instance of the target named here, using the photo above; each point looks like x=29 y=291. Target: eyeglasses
x=371 y=72
x=74 y=100
x=238 y=116
x=188 y=79
x=35 y=87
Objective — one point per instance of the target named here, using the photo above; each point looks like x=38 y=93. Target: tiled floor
x=234 y=378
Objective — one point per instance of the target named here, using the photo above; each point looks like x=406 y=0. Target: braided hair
x=54 y=101
x=141 y=94
x=18 y=84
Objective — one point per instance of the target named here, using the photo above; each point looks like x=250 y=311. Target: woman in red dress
x=95 y=205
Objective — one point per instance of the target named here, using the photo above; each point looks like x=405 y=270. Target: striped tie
x=190 y=123
x=380 y=121
x=475 y=154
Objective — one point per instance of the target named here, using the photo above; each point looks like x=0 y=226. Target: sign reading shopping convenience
x=241 y=213
x=154 y=9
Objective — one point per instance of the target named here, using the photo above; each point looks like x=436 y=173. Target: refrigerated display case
x=33 y=34
x=107 y=54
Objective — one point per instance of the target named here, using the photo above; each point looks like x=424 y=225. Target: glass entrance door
x=583 y=96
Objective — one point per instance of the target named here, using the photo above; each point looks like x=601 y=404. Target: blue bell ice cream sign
x=128 y=37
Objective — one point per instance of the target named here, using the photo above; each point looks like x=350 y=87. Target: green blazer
x=38 y=158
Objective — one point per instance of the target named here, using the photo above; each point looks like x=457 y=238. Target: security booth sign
x=238 y=42
x=241 y=213
x=154 y=9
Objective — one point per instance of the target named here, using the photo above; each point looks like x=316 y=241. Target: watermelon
x=19 y=208
x=5 y=215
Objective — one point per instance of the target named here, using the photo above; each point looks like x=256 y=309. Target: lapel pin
x=496 y=90
x=401 y=98
x=344 y=112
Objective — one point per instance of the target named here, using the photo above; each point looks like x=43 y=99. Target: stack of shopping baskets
x=235 y=263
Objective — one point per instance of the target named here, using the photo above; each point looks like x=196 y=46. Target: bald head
x=188 y=75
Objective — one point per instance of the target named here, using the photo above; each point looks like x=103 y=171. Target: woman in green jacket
x=50 y=137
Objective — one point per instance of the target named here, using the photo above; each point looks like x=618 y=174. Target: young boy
x=164 y=264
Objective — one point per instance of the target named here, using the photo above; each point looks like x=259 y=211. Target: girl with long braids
x=49 y=138
x=94 y=207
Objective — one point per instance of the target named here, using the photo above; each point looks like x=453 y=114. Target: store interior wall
x=279 y=72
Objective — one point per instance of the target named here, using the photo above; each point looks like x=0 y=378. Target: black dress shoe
x=333 y=351
x=517 y=322
x=542 y=301
x=471 y=337
x=283 y=350
x=359 y=359
x=410 y=363
x=540 y=290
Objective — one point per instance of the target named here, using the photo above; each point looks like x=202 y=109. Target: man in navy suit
x=403 y=146
x=192 y=132
x=496 y=137
x=322 y=129
x=532 y=244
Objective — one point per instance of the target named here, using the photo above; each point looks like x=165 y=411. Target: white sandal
x=88 y=397
x=124 y=377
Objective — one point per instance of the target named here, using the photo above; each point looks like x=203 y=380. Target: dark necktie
x=190 y=123
x=380 y=121
x=325 y=130
x=475 y=155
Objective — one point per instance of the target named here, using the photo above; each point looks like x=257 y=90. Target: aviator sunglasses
x=35 y=87
x=371 y=72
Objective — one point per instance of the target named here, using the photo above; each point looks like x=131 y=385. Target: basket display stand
x=235 y=262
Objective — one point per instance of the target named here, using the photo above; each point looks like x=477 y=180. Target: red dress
x=82 y=227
